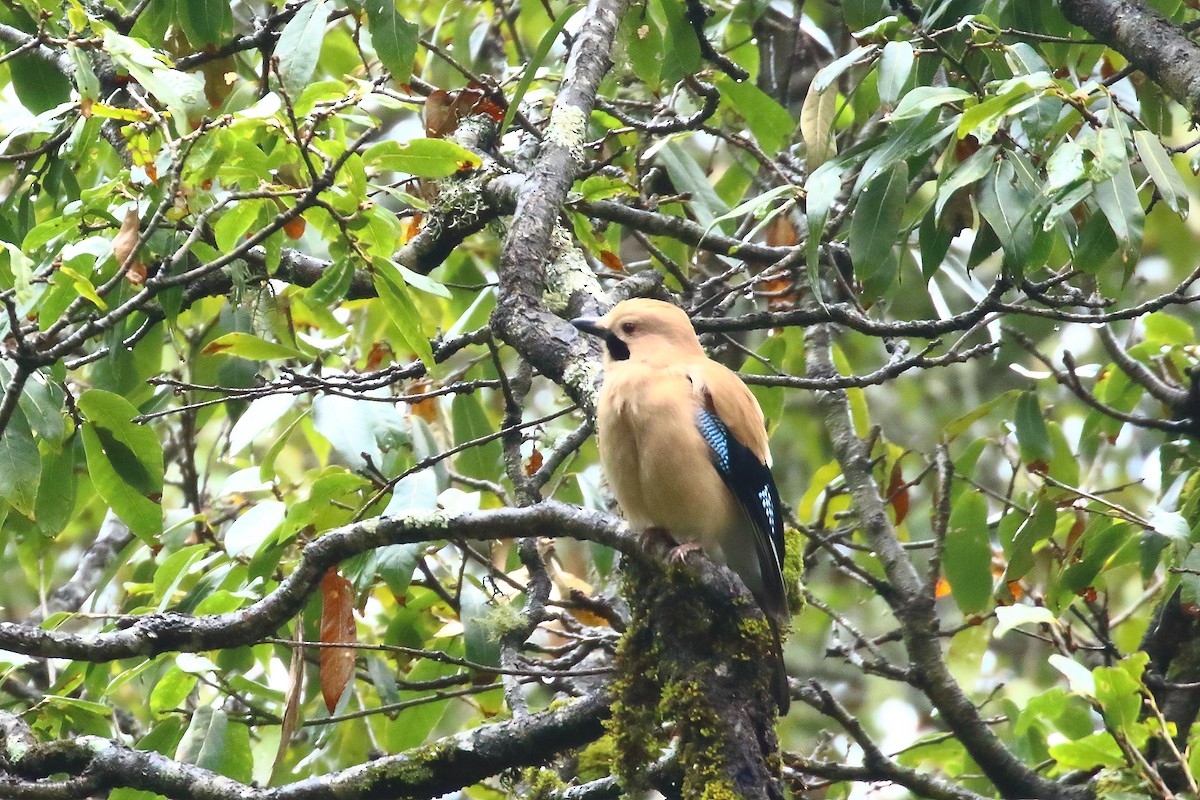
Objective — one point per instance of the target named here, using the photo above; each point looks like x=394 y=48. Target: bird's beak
x=589 y=325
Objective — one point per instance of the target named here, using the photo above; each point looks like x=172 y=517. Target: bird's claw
x=680 y=553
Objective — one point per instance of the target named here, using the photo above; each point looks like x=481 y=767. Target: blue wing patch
x=752 y=484
x=717 y=436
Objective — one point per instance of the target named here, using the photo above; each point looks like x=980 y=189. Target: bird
x=683 y=443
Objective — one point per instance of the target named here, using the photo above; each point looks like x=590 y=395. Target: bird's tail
x=779 y=680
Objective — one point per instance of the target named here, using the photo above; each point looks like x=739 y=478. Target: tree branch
x=1150 y=41
x=432 y=770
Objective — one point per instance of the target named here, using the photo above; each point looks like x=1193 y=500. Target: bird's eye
x=628 y=328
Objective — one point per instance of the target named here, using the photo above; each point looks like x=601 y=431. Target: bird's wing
x=740 y=458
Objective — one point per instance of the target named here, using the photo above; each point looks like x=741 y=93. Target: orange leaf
x=534 y=463
x=294 y=228
x=379 y=352
x=782 y=233
x=425 y=409
x=898 y=493
x=1076 y=530
x=413 y=227
x=611 y=260
x=942 y=589
x=337 y=625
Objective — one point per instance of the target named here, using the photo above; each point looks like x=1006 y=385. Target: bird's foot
x=653 y=538
x=680 y=553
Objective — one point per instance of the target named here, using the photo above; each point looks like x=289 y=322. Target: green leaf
x=1095 y=245
x=42 y=403
x=251 y=530
x=1008 y=204
x=20 y=464
x=206 y=21
x=681 y=52
x=125 y=461
x=1164 y=329
x=895 y=65
x=956 y=427
x=923 y=99
x=424 y=158
x=48 y=231
x=977 y=166
x=1119 y=691
x=333 y=284
x=967 y=559
x=479 y=637
x=1118 y=199
x=1100 y=541
x=770 y=122
x=826 y=76
x=1015 y=94
x=249 y=346
x=395 y=563
x=470 y=422
x=876 y=222
x=1096 y=750
x=1064 y=465
x=39 y=85
x=55 y=491
x=236 y=222
x=299 y=46
x=1032 y=437
x=214 y=743
x=394 y=37
x=1037 y=527
x=180 y=92
x=394 y=293
x=822 y=189
x=171 y=690
x=535 y=62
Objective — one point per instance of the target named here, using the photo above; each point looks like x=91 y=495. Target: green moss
x=416 y=768
x=501 y=619
x=793 y=569
x=541 y=784
x=661 y=696
x=597 y=760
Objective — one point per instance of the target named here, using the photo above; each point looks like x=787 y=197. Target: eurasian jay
x=684 y=445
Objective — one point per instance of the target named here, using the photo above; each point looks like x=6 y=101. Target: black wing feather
x=752 y=484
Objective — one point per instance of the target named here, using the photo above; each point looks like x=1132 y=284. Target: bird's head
x=643 y=330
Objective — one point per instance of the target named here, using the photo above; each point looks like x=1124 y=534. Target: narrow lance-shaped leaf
x=876 y=222
x=816 y=125
x=394 y=37
x=125 y=461
x=337 y=626
x=1032 y=436
x=967 y=555
x=300 y=45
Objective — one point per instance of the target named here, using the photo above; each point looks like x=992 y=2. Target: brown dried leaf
x=291 y=705
x=126 y=241
x=337 y=626
x=898 y=493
